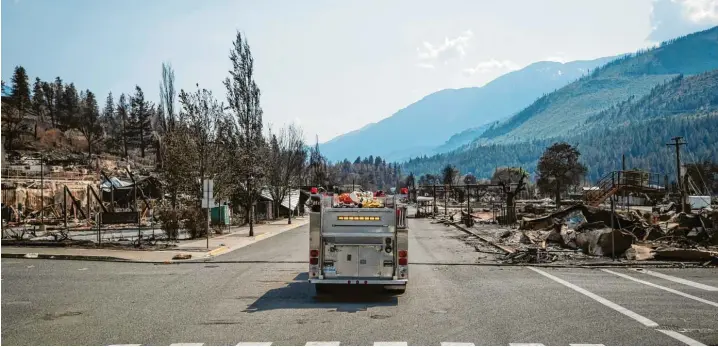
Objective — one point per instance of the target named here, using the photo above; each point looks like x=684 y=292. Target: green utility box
x=220 y=215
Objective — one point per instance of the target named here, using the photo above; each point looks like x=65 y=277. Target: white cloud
x=491 y=65
x=699 y=11
x=448 y=50
x=425 y=65
x=674 y=18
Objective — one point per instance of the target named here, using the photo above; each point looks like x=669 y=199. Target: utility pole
x=251 y=206
x=289 y=221
x=678 y=143
x=209 y=213
x=623 y=168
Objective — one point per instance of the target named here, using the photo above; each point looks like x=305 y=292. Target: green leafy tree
x=558 y=168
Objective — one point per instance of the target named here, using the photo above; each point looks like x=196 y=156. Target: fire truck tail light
x=403 y=261
x=314 y=253
x=403 y=253
x=313 y=261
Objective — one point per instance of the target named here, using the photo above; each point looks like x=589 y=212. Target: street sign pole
x=208 y=187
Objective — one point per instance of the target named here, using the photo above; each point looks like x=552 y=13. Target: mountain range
x=631 y=106
x=450 y=118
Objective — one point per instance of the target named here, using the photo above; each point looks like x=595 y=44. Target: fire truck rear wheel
x=321 y=288
x=397 y=290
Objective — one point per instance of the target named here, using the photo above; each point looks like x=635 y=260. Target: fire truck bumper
x=359 y=281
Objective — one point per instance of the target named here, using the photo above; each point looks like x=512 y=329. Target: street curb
x=64 y=257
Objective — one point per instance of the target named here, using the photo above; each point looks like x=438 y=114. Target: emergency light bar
x=367 y=218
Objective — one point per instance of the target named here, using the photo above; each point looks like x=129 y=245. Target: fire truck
x=363 y=244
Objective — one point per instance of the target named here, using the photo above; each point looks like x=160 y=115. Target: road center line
x=678 y=280
x=662 y=287
x=680 y=337
x=643 y=320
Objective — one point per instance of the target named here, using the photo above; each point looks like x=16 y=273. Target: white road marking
x=323 y=343
x=457 y=344
x=643 y=320
x=123 y=345
x=187 y=344
x=390 y=343
x=526 y=344
x=254 y=344
x=584 y=344
x=664 y=288
x=680 y=337
x=678 y=280
x=83 y=269
x=30 y=266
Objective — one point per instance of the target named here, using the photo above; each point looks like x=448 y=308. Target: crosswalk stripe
x=526 y=344
x=390 y=343
x=254 y=344
x=323 y=343
x=457 y=344
x=187 y=344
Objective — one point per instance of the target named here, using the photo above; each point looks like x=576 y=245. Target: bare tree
x=243 y=98
x=202 y=112
x=286 y=162
x=164 y=120
x=167 y=98
x=512 y=181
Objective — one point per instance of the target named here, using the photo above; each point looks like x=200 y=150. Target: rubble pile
x=634 y=236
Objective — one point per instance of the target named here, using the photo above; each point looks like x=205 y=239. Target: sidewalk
x=239 y=237
x=196 y=249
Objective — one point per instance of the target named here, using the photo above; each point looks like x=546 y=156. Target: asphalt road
x=259 y=294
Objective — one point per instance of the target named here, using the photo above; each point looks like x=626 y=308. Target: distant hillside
x=428 y=123
x=462 y=138
x=565 y=110
x=638 y=128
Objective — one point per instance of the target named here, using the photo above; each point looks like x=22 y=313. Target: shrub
x=195 y=222
x=170 y=222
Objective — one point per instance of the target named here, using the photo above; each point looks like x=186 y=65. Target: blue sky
x=330 y=66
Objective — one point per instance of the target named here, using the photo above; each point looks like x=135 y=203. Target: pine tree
x=70 y=108
x=122 y=118
x=38 y=102
x=15 y=115
x=140 y=117
x=89 y=124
